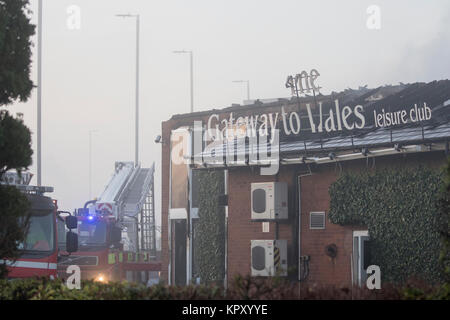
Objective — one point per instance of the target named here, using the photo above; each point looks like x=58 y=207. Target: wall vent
x=317 y=220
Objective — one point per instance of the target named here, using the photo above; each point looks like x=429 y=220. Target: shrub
x=243 y=288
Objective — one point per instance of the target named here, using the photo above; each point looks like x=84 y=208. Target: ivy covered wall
x=400 y=209
x=210 y=233
x=444 y=209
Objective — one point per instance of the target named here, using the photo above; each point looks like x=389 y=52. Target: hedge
x=400 y=209
x=243 y=288
x=210 y=242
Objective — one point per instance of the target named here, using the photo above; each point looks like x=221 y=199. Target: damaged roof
x=435 y=94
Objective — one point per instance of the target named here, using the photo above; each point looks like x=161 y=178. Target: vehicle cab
x=98 y=239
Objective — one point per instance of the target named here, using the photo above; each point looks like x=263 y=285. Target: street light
x=39 y=93
x=90 y=161
x=191 y=74
x=137 y=84
x=248 y=86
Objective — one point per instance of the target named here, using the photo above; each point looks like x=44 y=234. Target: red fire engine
x=39 y=251
x=115 y=239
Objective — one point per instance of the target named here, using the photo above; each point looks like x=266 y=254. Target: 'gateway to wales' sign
x=336 y=120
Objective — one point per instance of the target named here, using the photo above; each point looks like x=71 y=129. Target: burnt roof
x=435 y=94
x=346 y=95
x=395 y=97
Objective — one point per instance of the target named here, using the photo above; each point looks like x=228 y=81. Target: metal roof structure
x=376 y=138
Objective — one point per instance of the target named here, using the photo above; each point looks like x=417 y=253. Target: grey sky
x=88 y=74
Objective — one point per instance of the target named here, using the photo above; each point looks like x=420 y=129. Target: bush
x=243 y=288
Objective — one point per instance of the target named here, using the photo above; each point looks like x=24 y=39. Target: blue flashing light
x=90 y=218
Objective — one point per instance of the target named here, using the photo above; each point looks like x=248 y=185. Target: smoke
x=429 y=61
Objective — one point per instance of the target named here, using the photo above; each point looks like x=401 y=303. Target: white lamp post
x=137 y=84
x=39 y=94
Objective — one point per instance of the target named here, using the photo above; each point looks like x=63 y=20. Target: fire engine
x=116 y=232
x=39 y=251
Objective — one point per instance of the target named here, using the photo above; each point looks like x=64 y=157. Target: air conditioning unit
x=269 y=200
x=269 y=258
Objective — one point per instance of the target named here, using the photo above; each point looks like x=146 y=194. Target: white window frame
x=176 y=213
x=357 y=276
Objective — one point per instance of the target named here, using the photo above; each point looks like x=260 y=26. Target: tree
x=14 y=222
x=15 y=137
x=15 y=51
x=15 y=144
x=15 y=153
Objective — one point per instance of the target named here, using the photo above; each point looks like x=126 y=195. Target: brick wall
x=314 y=197
x=241 y=229
x=322 y=268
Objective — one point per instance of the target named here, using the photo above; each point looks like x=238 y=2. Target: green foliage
x=15 y=144
x=14 y=220
x=15 y=51
x=45 y=289
x=15 y=138
x=210 y=257
x=444 y=210
x=15 y=153
x=242 y=288
x=399 y=208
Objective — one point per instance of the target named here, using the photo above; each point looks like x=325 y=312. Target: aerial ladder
x=118 y=228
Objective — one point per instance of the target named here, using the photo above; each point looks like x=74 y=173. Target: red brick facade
x=314 y=197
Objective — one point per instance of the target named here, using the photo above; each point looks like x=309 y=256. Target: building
x=304 y=144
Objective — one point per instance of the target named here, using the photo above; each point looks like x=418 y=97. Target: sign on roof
x=337 y=119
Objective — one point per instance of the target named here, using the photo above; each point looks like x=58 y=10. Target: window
x=92 y=233
x=61 y=231
x=40 y=235
x=360 y=257
x=179 y=168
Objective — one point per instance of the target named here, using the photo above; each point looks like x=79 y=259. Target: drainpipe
x=169 y=236
x=298 y=177
x=226 y=232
